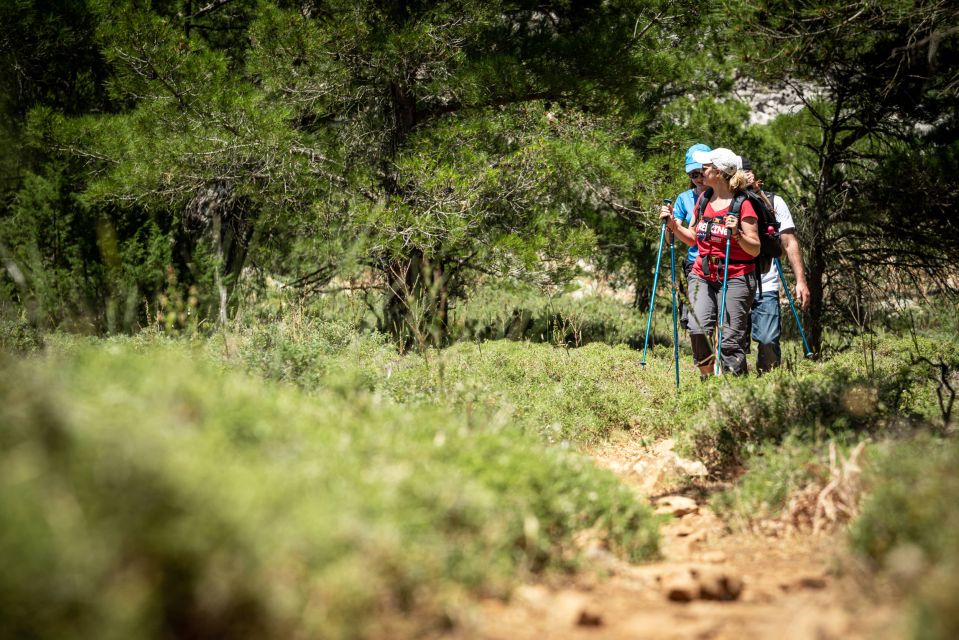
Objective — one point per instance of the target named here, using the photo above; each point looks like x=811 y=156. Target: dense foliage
x=409 y=151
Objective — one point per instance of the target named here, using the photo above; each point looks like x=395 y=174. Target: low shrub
x=889 y=392
x=19 y=336
x=521 y=312
x=775 y=472
x=150 y=492
x=309 y=351
x=576 y=395
x=908 y=528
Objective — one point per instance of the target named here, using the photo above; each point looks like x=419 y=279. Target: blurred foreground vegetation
x=150 y=491
x=295 y=477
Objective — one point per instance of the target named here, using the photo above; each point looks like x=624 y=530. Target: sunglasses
x=695 y=175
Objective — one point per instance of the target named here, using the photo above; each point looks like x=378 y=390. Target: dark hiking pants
x=705 y=299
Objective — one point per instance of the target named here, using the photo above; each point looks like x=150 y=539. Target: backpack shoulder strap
x=703 y=201
x=737 y=204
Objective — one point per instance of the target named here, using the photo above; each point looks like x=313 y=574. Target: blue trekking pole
x=789 y=297
x=718 y=367
x=672 y=268
x=652 y=298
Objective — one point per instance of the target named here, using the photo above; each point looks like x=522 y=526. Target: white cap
x=721 y=158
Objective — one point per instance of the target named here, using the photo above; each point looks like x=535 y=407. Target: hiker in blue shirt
x=683 y=209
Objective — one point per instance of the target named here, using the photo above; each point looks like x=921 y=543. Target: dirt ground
x=711 y=583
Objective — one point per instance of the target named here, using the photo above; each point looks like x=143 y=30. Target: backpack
x=770 y=243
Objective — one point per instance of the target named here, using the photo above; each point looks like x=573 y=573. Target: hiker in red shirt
x=708 y=229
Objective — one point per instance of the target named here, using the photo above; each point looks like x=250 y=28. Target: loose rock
x=714 y=557
x=680 y=587
x=715 y=584
x=701 y=583
x=677 y=506
x=590 y=618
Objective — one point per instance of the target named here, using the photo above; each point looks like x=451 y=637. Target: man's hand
x=791 y=247
x=802 y=295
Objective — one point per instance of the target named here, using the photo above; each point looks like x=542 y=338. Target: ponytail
x=738 y=181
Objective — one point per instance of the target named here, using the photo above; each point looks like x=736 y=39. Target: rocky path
x=710 y=583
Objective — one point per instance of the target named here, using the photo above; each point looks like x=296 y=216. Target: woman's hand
x=732 y=223
x=747 y=237
x=666 y=216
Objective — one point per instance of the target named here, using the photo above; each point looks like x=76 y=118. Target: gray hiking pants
x=704 y=298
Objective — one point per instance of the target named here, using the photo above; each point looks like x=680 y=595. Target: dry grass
x=825 y=504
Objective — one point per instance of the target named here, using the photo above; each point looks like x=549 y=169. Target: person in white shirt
x=766 y=321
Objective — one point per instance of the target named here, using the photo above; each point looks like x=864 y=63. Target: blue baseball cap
x=691 y=164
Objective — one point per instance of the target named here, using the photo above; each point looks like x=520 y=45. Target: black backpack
x=770 y=243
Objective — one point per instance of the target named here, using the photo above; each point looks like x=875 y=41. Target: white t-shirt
x=785 y=218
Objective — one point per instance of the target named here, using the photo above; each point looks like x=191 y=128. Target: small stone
x=682 y=592
x=534 y=595
x=589 y=618
x=692 y=468
x=906 y=563
x=680 y=586
x=677 y=506
x=714 y=557
x=696 y=536
x=569 y=606
x=718 y=585
x=812 y=583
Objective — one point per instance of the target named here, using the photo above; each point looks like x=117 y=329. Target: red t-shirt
x=715 y=245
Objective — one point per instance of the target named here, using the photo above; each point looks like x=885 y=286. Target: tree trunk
x=218 y=273
x=417 y=306
x=815 y=270
x=641 y=290
x=818 y=237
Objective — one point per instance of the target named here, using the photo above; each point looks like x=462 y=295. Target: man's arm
x=791 y=247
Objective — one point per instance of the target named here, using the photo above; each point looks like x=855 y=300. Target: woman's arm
x=673 y=225
x=745 y=233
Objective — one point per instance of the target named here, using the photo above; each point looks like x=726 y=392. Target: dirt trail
x=710 y=583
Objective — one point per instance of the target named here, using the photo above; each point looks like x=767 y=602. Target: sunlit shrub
x=149 y=492
x=845 y=397
x=524 y=313
x=908 y=529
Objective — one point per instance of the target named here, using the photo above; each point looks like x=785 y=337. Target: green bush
x=578 y=395
x=19 y=336
x=149 y=492
x=887 y=391
x=911 y=518
x=524 y=313
x=311 y=352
